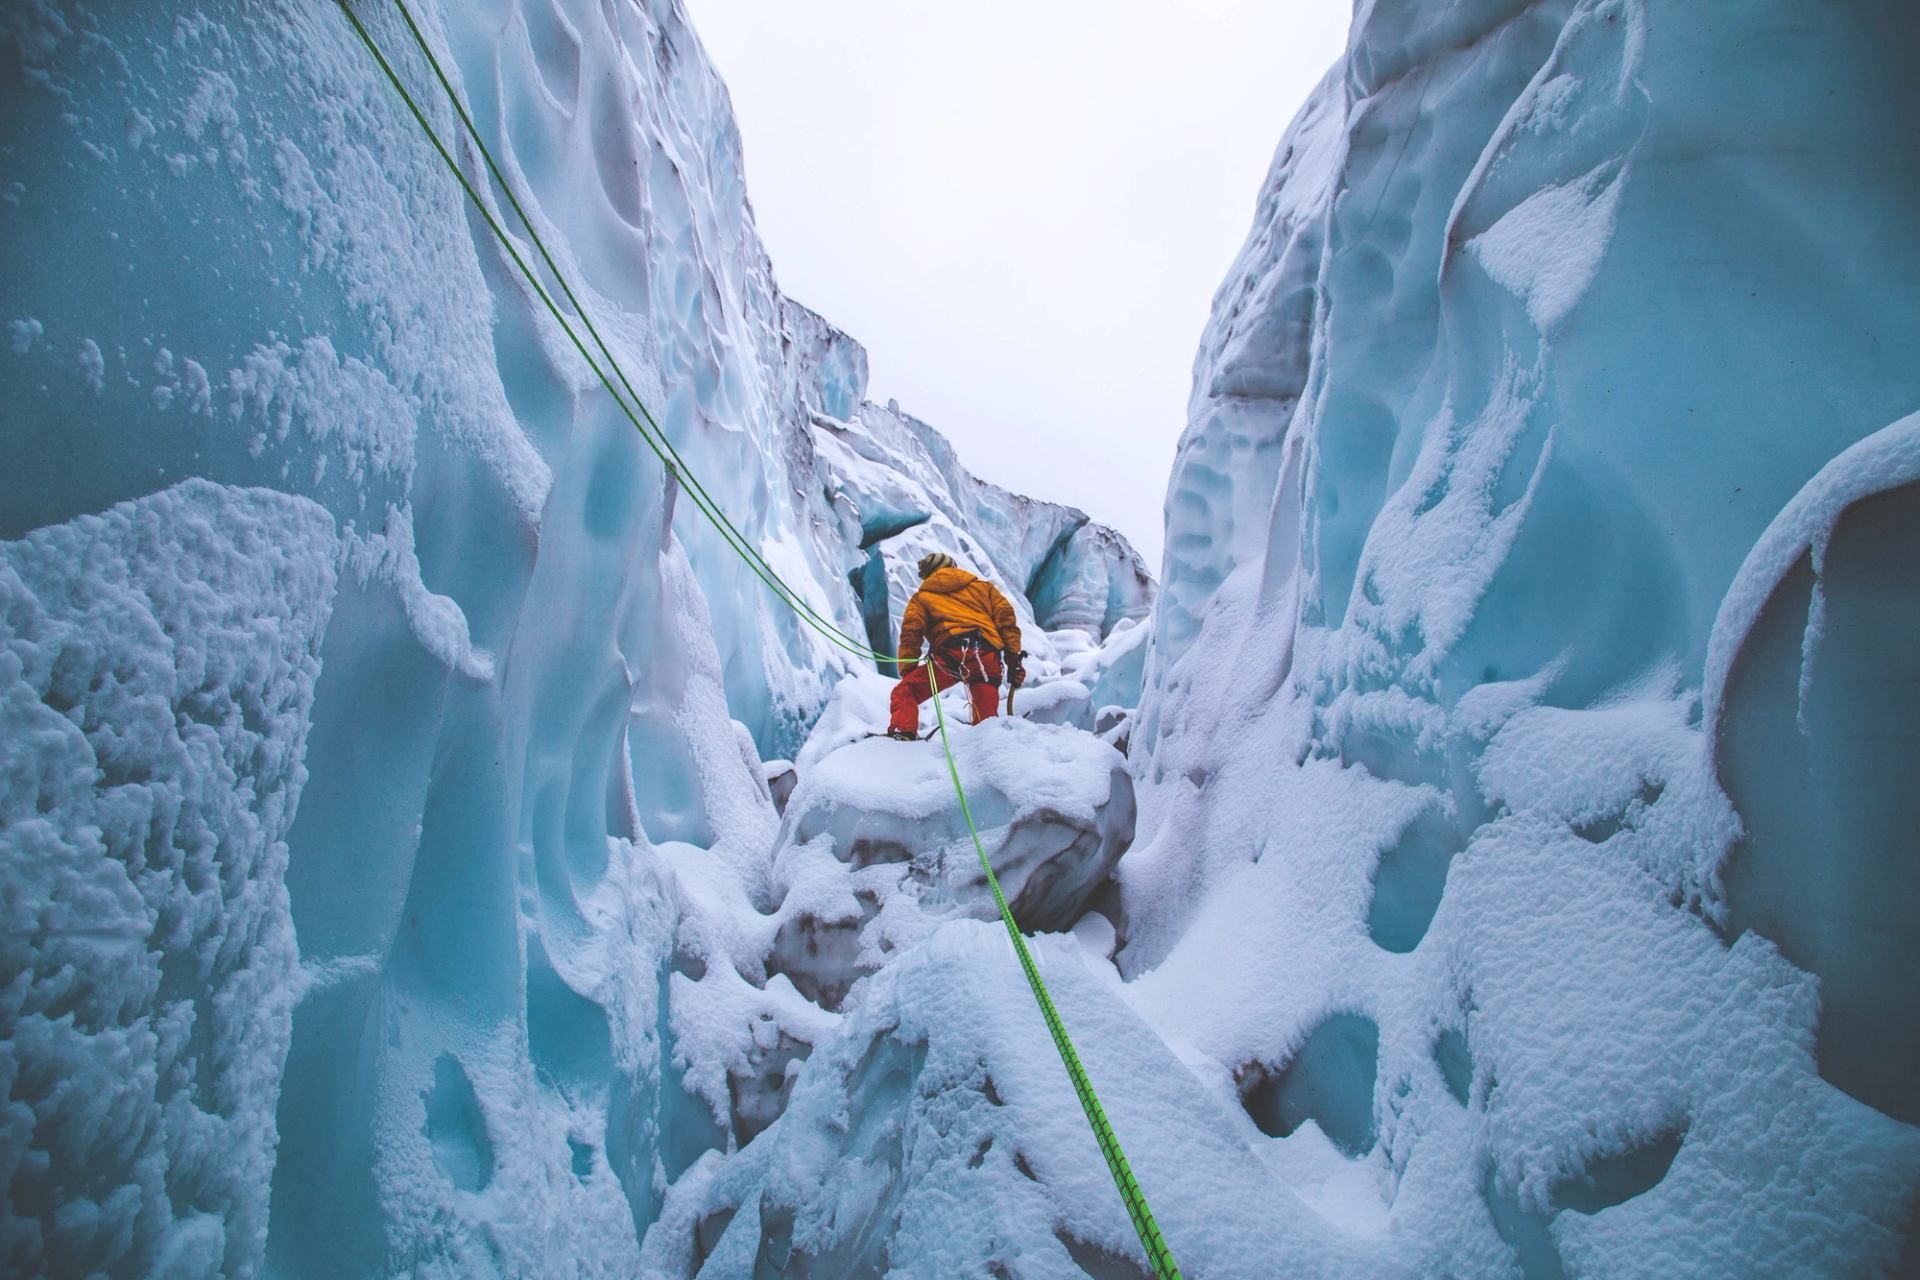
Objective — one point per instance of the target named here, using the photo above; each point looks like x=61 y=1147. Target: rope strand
x=1131 y=1196
x=655 y=439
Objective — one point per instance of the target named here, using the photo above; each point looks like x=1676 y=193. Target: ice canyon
x=1484 y=849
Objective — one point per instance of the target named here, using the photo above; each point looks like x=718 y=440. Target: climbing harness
x=656 y=439
x=970 y=648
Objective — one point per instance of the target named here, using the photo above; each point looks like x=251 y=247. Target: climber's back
x=973 y=633
x=952 y=603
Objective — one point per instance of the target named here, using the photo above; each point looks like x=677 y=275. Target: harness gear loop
x=970 y=648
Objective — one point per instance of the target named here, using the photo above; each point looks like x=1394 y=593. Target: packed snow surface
x=427 y=850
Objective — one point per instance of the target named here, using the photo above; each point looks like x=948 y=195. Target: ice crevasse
x=428 y=851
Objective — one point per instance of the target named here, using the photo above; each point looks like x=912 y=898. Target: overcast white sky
x=1021 y=209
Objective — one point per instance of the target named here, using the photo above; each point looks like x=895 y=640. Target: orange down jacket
x=952 y=602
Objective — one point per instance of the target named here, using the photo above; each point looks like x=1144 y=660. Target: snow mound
x=937 y=1134
x=874 y=852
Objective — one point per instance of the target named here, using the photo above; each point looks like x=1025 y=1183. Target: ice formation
x=343 y=610
x=429 y=851
x=1502 y=685
x=159 y=661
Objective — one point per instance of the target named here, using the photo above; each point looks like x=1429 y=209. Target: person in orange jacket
x=970 y=626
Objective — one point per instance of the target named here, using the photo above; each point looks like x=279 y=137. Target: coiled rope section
x=657 y=440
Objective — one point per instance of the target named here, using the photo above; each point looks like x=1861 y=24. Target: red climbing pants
x=979 y=668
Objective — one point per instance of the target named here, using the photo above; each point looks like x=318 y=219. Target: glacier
x=426 y=848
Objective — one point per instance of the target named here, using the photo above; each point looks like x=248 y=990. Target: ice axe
x=1015 y=663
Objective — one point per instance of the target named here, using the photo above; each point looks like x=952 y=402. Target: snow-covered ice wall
x=1528 y=829
x=391 y=880
x=912 y=496
x=362 y=690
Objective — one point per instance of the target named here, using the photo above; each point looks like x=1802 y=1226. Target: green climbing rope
x=1123 y=1180
x=662 y=446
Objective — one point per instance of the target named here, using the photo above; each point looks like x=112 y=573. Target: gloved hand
x=1016 y=669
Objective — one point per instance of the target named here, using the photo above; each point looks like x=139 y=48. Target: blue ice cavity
x=1410 y=880
x=1454 y=1057
x=1815 y=750
x=1329 y=1080
x=456 y=1127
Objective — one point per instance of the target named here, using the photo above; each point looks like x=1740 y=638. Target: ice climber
x=971 y=628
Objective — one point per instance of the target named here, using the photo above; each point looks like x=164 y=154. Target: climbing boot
x=903 y=735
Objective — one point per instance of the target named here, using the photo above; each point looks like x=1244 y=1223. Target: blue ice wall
x=1537 y=585
x=237 y=268
x=363 y=678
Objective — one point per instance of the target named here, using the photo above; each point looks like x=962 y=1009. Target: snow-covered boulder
x=874 y=852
